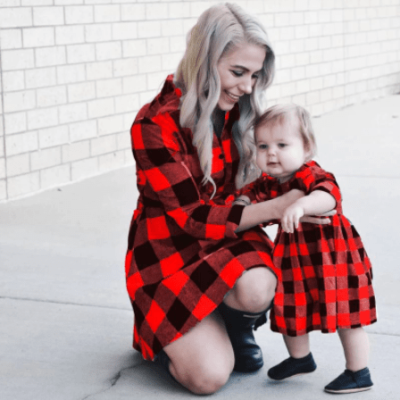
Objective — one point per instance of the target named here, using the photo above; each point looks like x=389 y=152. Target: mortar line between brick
x=369 y=176
x=3 y=118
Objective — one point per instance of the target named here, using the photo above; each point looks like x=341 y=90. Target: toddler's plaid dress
x=326 y=274
x=183 y=253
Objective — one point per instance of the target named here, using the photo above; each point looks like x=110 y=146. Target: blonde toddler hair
x=282 y=112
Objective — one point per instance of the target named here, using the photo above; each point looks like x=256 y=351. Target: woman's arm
x=166 y=177
x=316 y=203
x=251 y=215
x=256 y=214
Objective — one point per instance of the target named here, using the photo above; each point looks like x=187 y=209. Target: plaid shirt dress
x=183 y=253
x=326 y=274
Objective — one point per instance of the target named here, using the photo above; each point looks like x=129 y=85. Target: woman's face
x=238 y=71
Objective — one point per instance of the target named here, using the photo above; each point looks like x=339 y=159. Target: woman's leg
x=202 y=360
x=253 y=291
x=241 y=309
x=356 y=348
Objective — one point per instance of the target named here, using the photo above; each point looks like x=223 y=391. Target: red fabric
x=326 y=273
x=183 y=253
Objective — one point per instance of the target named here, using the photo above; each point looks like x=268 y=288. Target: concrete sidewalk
x=66 y=321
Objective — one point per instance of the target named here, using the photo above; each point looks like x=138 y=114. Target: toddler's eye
x=281 y=145
x=263 y=146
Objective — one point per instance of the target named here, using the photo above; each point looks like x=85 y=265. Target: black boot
x=240 y=324
x=164 y=361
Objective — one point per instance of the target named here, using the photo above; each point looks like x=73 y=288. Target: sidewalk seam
x=63 y=303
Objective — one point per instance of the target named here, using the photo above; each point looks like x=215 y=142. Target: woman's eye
x=254 y=77
x=237 y=73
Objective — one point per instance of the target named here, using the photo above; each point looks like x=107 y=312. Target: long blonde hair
x=218 y=30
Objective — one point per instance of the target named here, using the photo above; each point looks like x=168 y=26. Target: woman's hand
x=319 y=219
x=265 y=211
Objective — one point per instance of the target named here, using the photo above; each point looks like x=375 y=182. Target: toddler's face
x=280 y=149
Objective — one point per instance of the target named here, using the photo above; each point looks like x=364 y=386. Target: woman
x=189 y=245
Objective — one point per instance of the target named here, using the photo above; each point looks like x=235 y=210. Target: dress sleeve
x=313 y=177
x=262 y=189
x=159 y=156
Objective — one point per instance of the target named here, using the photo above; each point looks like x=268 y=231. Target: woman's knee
x=202 y=360
x=255 y=290
x=205 y=379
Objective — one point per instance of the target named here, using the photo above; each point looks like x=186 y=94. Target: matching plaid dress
x=183 y=253
x=326 y=280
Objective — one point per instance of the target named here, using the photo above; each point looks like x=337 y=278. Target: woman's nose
x=246 y=86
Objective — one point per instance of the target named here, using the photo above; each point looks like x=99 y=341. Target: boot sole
x=251 y=368
x=348 y=390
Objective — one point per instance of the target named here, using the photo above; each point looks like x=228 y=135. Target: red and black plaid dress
x=183 y=253
x=326 y=273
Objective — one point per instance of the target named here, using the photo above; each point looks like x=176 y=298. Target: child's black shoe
x=351 y=382
x=292 y=367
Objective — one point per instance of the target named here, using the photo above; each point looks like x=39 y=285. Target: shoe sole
x=348 y=390
x=291 y=376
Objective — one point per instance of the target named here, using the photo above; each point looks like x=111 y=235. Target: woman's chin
x=225 y=106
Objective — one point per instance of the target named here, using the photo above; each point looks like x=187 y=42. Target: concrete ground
x=66 y=321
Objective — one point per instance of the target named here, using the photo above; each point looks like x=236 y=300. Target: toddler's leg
x=298 y=346
x=356 y=348
x=300 y=361
x=356 y=377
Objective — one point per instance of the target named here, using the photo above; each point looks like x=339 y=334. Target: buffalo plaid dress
x=326 y=274
x=183 y=253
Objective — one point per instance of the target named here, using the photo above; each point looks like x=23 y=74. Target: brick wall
x=75 y=72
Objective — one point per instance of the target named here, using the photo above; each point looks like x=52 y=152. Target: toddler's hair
x=281 y=112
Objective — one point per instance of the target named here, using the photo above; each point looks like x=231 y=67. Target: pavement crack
x=113 y=381
x=384 y=334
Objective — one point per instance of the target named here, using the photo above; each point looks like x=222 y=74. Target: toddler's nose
x=271 y=150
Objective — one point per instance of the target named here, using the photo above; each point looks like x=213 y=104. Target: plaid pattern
x=326 y=273
x=183 y=253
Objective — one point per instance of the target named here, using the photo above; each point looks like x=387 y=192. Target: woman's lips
x=232 y=97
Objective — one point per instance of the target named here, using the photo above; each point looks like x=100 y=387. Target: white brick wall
x=74 y=73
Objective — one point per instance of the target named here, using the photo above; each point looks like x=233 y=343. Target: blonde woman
x=198 y=267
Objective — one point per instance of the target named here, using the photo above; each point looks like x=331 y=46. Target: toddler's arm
x=316 y=203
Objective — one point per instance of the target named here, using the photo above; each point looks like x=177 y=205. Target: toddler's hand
x=291 y=217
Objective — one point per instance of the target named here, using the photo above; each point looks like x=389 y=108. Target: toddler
x=326 y=273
